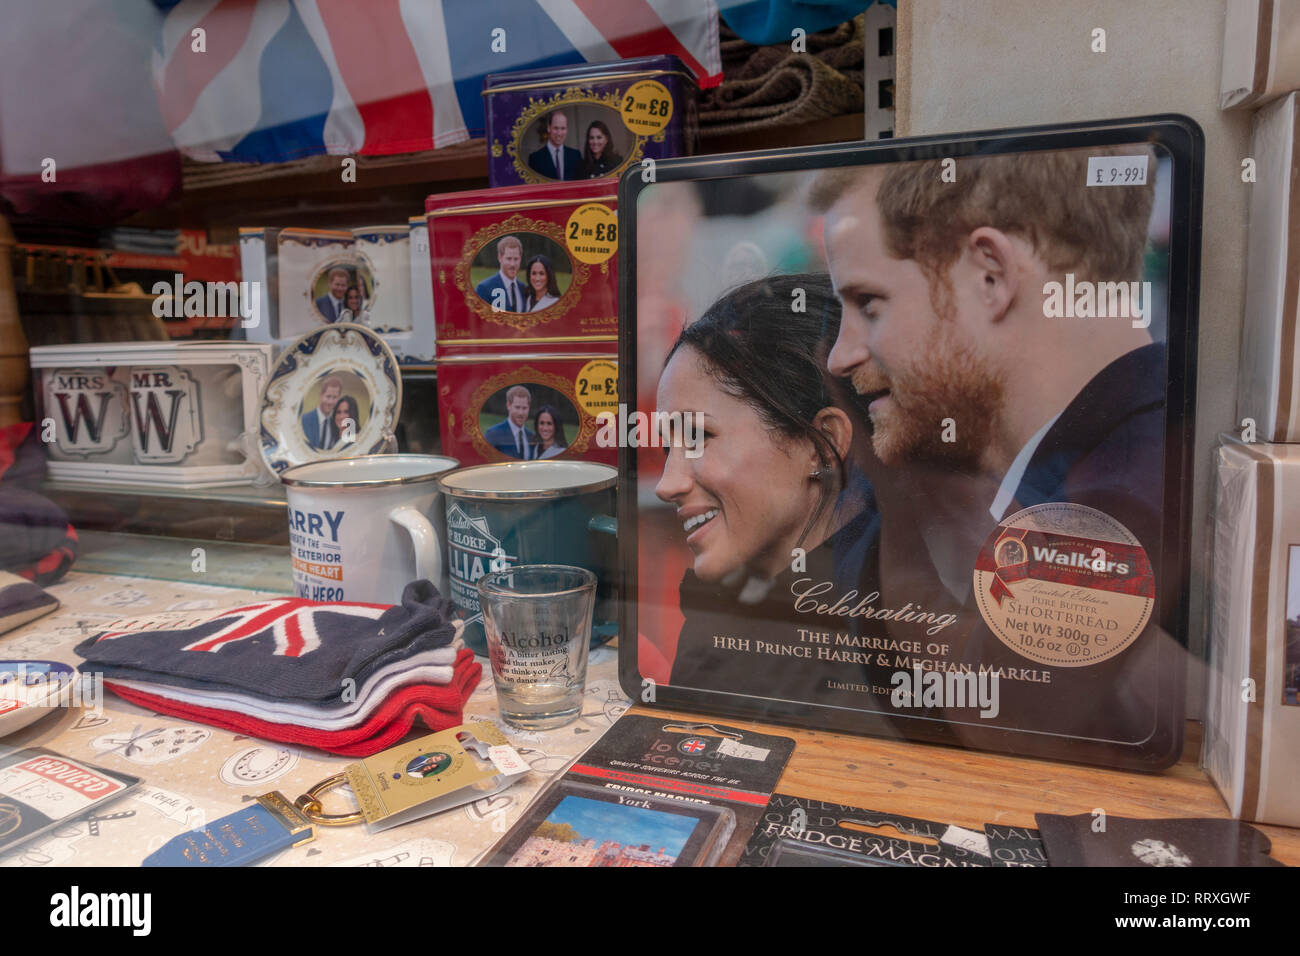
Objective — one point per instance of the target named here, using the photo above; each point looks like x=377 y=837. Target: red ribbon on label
x=1065 y=559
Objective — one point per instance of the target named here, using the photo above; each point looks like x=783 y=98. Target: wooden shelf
x=310 y=192
x=113 y=258
x=970 y=788
x=837 y=129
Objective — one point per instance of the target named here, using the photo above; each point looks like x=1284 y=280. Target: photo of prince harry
x=983 y=400
x=942 y=285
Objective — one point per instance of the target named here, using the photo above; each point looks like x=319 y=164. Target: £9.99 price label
x=1117 y=170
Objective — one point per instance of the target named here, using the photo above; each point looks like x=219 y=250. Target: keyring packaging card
x=873 y=483
x=434 y=773
x=653 y=791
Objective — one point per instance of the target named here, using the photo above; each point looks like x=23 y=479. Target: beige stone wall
x=983 y=64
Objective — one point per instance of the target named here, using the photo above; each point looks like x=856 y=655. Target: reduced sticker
x=1064 y=584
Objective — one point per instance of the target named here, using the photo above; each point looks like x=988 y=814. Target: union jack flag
x=281 y=79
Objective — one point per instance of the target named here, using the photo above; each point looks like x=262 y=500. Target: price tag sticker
x=1117 y=170
x=647 y=107
x=507 y=760
x=732 y=748
x=966 y=839
x=592 y=233
x=597 y=387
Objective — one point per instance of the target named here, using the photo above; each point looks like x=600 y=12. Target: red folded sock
x=438 y=706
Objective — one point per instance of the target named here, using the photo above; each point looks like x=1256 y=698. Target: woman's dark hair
x=560 y=438
x=552 y=286
x=608 y=157
x=361 y=299
x=354 y=410
x=765 y=343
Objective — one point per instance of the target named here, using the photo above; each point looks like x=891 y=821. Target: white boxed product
x=258 y=270
x=307 y=257
x=169 y=413
x=1252 y=725
x=1269 y=390
x=421 y=348
x=388 y=251
x=294 y=267
x=1261 y=52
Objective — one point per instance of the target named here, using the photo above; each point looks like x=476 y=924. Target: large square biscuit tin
x=589 y=120
x=525 y=263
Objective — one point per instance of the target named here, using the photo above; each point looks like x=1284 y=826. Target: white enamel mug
x=361 y=529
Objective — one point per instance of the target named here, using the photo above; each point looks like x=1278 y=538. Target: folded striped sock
x=281 y=649
x=355 y=704
x=438 y=707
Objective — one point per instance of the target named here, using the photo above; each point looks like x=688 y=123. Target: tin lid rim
x=286 y=477
x=599 y=484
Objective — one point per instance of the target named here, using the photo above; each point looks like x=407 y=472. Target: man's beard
x=951 y=382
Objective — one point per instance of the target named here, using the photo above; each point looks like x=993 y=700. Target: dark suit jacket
x=1105 y=451
x=540 y=161
x=500 y=437
x=326 y=306
x=604 y=166
x=494 y=282
x=311 y=428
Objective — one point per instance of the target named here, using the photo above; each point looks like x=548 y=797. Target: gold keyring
x=310 y=806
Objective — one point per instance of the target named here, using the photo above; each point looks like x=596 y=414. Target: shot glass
x=537 y=619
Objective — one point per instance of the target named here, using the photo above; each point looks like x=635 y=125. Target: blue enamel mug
x=530 y=512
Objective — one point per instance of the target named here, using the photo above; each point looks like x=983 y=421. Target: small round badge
x=428 y=765
x=1064 y=584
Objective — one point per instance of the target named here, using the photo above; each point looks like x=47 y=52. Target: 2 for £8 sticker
x=591 y=233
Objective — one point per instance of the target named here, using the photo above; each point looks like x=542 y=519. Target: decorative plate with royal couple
x=29 y=690
x=334 y=393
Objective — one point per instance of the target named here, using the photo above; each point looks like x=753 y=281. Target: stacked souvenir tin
x=525 y=290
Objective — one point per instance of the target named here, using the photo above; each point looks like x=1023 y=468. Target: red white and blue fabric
x=292 y=622
x=284 y=649
x=350 y=679
x=381 y=723
x=282 y=79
